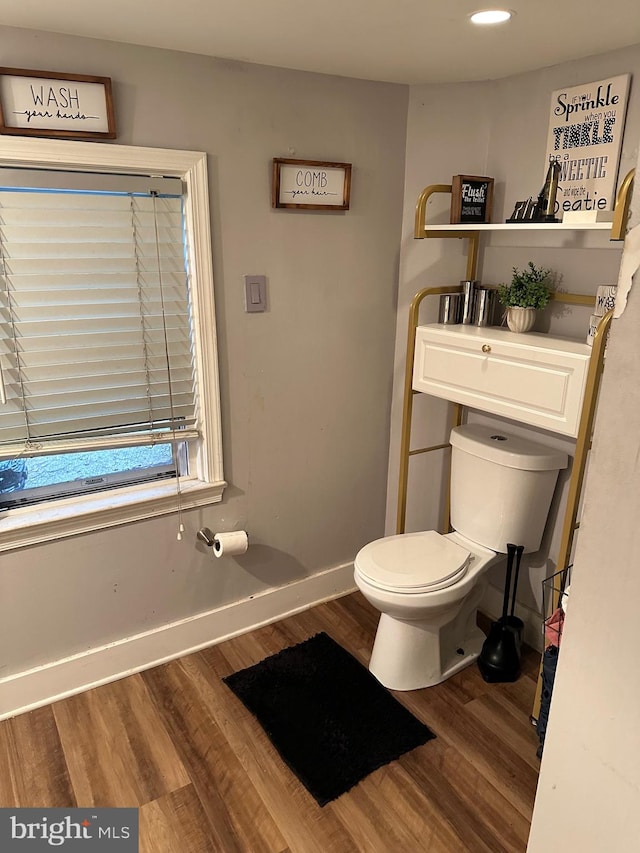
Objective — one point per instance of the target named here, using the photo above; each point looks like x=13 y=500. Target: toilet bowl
x=428 y=586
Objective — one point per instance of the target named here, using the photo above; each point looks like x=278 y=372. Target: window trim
x=68 y=517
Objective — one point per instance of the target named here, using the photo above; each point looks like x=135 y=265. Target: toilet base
x=410 y=655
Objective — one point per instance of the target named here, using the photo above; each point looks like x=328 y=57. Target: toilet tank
x=501 y=486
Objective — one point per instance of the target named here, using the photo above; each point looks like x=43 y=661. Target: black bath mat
x=331 y=721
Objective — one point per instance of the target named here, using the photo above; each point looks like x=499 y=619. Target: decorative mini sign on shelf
x=49 y=103
x=311 y=184
x=471 y=197
x=586 y=126
x=543 y=209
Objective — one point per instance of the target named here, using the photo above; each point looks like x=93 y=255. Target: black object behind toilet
x=499 y=659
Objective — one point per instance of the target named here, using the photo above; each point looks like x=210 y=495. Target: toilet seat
x=413 y=562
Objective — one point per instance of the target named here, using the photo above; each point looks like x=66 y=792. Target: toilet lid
x=413 y=562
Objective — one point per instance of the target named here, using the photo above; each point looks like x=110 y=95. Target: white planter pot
x=521 y=319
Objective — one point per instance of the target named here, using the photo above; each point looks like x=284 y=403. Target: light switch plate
x=255 y=293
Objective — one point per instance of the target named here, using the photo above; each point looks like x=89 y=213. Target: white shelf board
x=528 y=226
x=500 y=334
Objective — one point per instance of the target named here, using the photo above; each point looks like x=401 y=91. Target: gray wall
x=587 y=796
x=496 y=128
x=305 y=387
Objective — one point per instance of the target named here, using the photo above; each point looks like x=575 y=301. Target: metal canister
x=485 y=306
x=468 y=299
x=450 y=309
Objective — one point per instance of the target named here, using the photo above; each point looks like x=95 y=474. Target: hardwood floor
x=177 y=743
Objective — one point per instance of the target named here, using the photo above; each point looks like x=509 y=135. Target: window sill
x=70 y=516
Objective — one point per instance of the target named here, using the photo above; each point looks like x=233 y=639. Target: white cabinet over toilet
x=533 y=378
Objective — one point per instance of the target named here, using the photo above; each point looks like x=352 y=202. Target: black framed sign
x=471 y=197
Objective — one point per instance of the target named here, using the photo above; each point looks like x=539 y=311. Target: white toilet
x=428 y=586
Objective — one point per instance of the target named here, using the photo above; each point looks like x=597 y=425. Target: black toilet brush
x=499 y=659
x=516 y=625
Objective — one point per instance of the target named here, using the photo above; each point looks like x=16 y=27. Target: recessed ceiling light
x=491 y=16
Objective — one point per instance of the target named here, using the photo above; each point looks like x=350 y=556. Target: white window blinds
x=95 y=330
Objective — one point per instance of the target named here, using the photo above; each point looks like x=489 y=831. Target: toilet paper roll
x=230 y=544
x=605 y=299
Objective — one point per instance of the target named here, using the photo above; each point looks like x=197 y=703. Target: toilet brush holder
x=499 y=660
x=516 y=626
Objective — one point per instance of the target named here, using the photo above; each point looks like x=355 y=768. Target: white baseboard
x=491 y=605
x=33 y=688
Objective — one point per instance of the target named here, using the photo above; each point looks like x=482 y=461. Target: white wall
x=305 y=386
x=496 y=128
x=587 y=796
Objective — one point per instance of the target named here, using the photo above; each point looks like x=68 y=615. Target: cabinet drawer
x=532 y=378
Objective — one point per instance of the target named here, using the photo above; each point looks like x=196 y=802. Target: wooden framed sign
x=310 y=184
x=48 y=103
x=471 y=198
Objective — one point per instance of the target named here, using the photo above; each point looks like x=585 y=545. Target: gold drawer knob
x=486 y=348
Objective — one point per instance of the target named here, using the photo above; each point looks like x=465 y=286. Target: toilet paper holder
x=206 y=536
x=231 y=544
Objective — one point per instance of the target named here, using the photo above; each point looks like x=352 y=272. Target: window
x=107 y=338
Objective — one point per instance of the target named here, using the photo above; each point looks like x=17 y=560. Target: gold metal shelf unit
x=596 y=362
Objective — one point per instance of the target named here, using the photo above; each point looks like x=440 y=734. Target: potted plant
x=529 y=291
